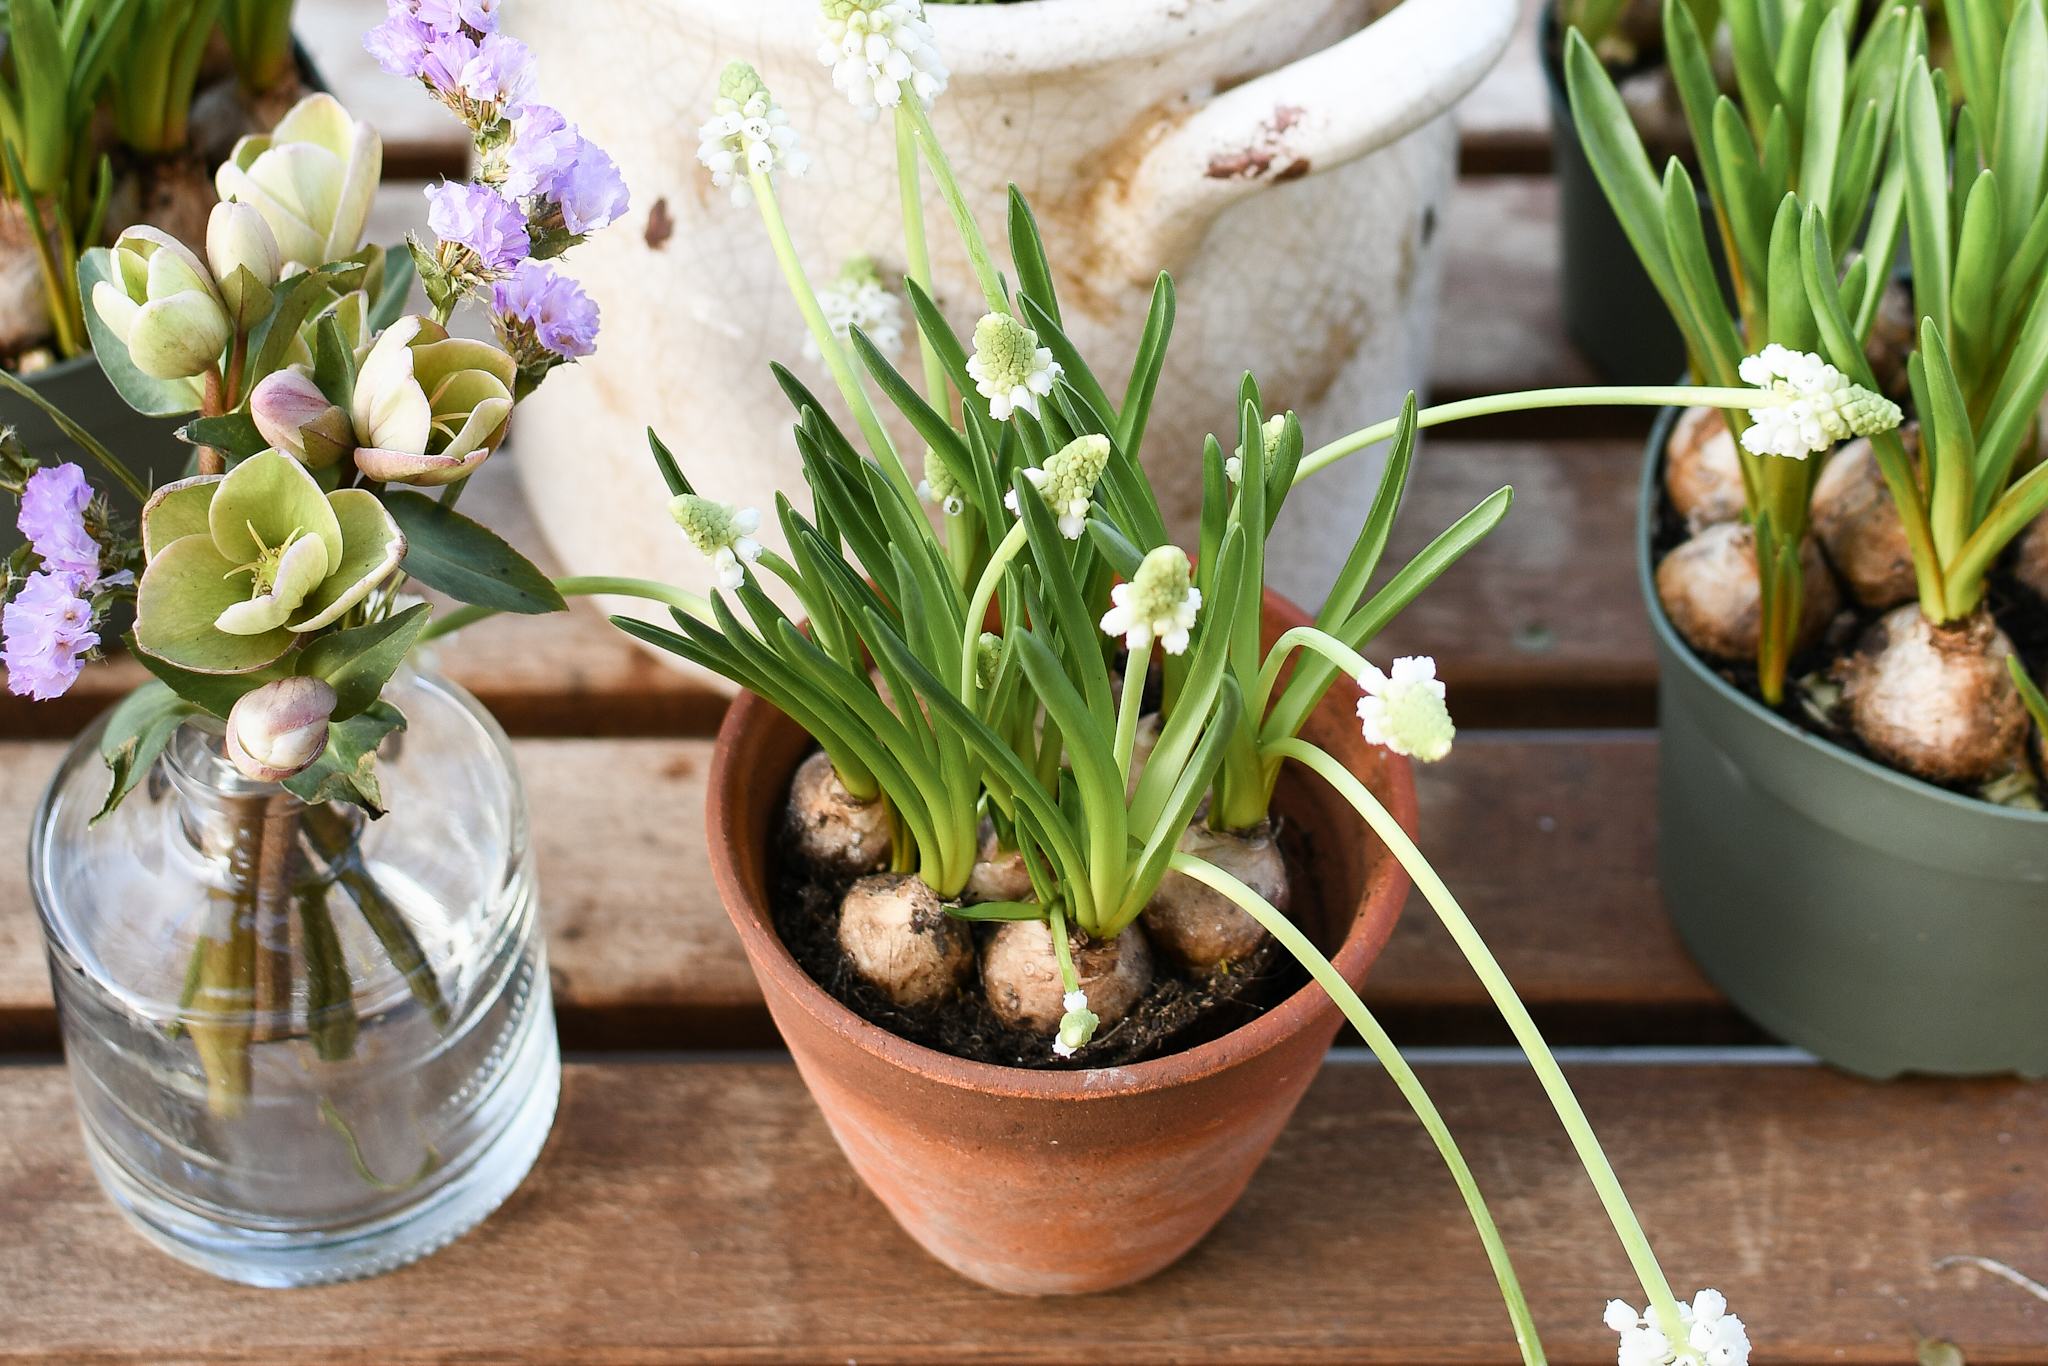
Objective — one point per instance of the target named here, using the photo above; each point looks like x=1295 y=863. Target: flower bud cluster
x=1068 y=482
x=1009 y=368
x=874 y=47
x=1714 y=1337
x=1269 y=435
x=1160 y=603
x=939 y=486
x=1405 y=710
x=721 y=531
x=1077 y=1026
x=748 y=134
x=1808 y=405
x=858 y=298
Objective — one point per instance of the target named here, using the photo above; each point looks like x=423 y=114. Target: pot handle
x=1313 y=115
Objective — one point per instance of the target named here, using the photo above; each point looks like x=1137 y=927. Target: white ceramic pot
x=1287 y=160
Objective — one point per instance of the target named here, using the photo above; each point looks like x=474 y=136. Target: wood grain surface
x=701 y=1213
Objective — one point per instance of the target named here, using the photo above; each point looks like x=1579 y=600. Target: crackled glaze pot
x=1287 y=160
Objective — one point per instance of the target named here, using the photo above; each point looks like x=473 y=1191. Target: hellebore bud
x=296 y=418
x=243 y=253
x=429 y=407
x=313 y=179
x=280 y=728
x=165 y=309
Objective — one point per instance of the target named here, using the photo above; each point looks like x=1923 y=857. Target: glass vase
x=306 y=1046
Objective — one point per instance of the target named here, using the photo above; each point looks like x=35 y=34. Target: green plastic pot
x=1881 y=923
x=78 y=387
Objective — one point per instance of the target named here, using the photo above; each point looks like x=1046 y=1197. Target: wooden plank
x=702 y=1214
x=644 y=957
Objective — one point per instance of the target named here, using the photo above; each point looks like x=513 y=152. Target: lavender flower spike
x=536 y=306
x=481 y=219
x=53 y=507
x=47 y=628
x=591 y=192
x=544 y=146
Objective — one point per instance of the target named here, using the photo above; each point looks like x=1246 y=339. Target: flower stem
x=579 y=586
x=835 y=355
x=977 y=606
x=1324 y=644
x=963 y=217
x=1593 y=396
x=85 y=439
x=1128 y=706
x=1327 y=976
x=916 y=252
x=1591 y=1156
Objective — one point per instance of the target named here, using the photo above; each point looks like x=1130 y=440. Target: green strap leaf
x=466 y=560
x=357 y=663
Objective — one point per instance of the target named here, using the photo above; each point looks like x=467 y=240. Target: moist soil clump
x=1178 y=1012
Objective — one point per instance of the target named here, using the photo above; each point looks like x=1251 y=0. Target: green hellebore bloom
x=313 y=180
x=167 y=310
x=240 y=564
x=429 y=407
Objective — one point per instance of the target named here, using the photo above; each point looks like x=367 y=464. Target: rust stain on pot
x=1254 y=161
x=1071 y=223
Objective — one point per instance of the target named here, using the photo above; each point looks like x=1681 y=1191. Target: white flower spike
x=1808 y=405
x=1067 y=482
x=1077 y=1026
x=1233 y=468
x=748 y=133
x=858 y=298
x=1405 y=710
x=1714 y=1337
x=1010 y=369
x=720 y=531
x=939 y=486
x=1160 y=604
x=873 y=47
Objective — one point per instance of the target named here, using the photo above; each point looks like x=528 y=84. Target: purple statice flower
x=561 y=315
x=46 y=628
x=400 y=44
x=480 y=15
x=478 y=217
x=53 y=504
x=590 y=190
x=500 y=72
x=544 y=144
x=447 y=54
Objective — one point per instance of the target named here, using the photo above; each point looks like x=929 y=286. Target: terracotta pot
x=1042 y=1183
x=1290 y=161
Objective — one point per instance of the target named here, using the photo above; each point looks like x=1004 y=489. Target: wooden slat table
x=691 y=1206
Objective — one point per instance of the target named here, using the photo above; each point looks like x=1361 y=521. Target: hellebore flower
x=296 y=418
x=858 y=298
x=238 y=241
x=1068 y=483
x=1159 y=603
x=165 y=309
x=748 y=133
x=478 y=217
x=1269 y=436
x=1808 y=405
x=47 y=628
x=313 y=180
x=241 y=563
x=1405 y=712
x=873 y=46
x=721 y=531
x=429 y=408
x=534 y=307
x=1010 y=369
x=279 y=729
x=53 y=504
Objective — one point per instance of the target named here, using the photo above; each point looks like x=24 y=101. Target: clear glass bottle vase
x=306 y=1046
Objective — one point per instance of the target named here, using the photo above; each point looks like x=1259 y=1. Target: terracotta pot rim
x=1248 y=1041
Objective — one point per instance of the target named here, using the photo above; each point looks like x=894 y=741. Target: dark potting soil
x=1179 y=1012
x=2019 y=612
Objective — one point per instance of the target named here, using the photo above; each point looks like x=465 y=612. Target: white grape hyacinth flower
x=873 y=47
x=1009 y=368
x=1068 y=482
x=1714 y=1337
x=939 y=486
x=1810 y=405
x=1404 y=710
x=720 y=531
x=748 y=133
x=1159 y=603
x=1269 y=434
x=858 y=298
x=1077 y=1026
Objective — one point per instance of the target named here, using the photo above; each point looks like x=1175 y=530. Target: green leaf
x=2022 y=123
x=358 y=663
x=235 y=435
x=1820 y=145
x=346 y=769
x=150 y=397
x=1948 y=445
x=1791 y=316
x=467 y=561
x=136 y=734
x=1720 y=347
x=1034 y=275
x=1744 y=197
x=214 y=693
x=1978 y=261
x=1753 y=66
x=1616 y=154
x=396 y=290
x=270 y=341
x=334 y=363
x=2037 y=707
x=998 y=910
x=1692 y=71
x=1926 y=197
x=1145 y=367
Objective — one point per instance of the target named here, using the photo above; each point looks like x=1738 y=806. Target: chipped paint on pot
x=982 y=1164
